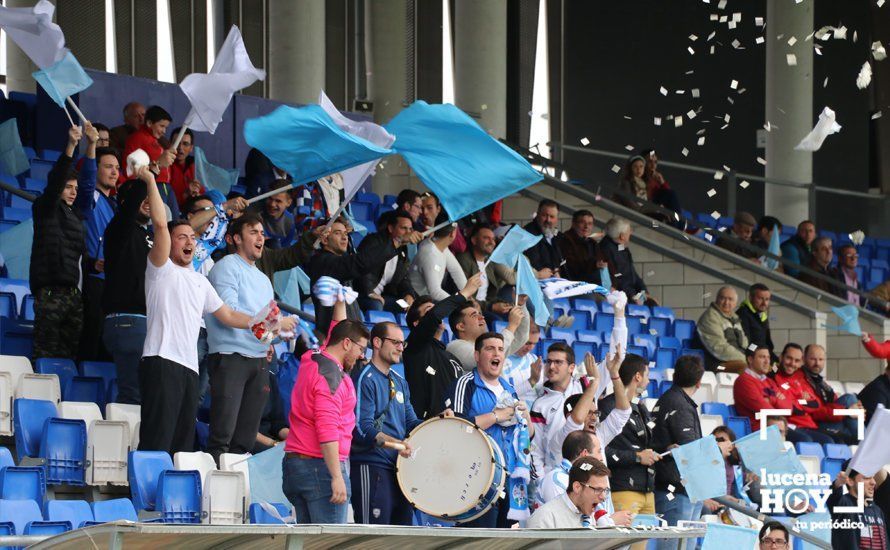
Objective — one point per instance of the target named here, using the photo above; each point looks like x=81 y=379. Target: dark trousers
x=803 y=435
x=376 y=497
x=495 y=517
x=169 y=405
x=91 y=347
x=58 y=320
x=239 y=388
x=124 y=337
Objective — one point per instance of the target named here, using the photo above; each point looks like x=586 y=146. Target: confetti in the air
x=685 y=152
x=878 y=51
x=696 y=93
x=715 y=215
x=690 y=50
x=744 y=184
x=791 y=59
x=864 y=77
x=734 y=84
x=663 y=91
x=759 y=40
x=585 y=141
x=701 y=140
x=678 y=121
x=712 y=192
x=616 y=168
x=629 y=147
x=718 y=175
x=690 y=114
x=693 y=38
x=792 y=41
x=876 y=115
x=657 y=121
x=761 y=160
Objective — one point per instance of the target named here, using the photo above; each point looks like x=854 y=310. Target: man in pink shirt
x=322 y=417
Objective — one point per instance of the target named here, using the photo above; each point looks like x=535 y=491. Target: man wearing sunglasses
x=383 y=414
x=588 y=487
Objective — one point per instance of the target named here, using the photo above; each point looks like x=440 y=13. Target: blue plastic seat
x=179 y=496
x=665 y=358
x=663 y=312
x=65 y=369
x=592 y=336
x=114 y=510
x=696 y=352
x=29 y=416
x=8 y=305
x=106 y=371
x=381 y=317
x=64 y=446
x=810 y=448
x=6 y=458
x=16 y=337
x=566 y=335
x=17 y=214
x=362 y=210
x=20 y=513
x=23 y=483
x=47 y=528
x=646 y=340
x=90 y=389
x=370 y=198
x=839 y=451
x=652 y=389
x=19 y=287
x=258 y=515
x=741 y=425
x=584 y=304
x=7 y=528
x=642 y=351
x=661 y=326
x=634 y=325
x=143 y=470
x=638 y=311
x=684 y=329
x=832 y=466
x=716 y=408
x=15 y=201
x=583 y=348
x=669 y=342
x=561 y=305
x=544 y=344
x=76 y=512
x=27 y=312
x=35 y=186
x=664 y=386
x=603 y=322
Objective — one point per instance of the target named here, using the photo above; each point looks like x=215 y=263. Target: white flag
x=824 y=128
x=33 y=30
x=211 y=93
x=376 y=134
x=873 y=452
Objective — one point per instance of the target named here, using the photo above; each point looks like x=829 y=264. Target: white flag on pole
x=824 y=128
x=33 y=30
x=376 y=134
x=873 y=452
x=211 y=93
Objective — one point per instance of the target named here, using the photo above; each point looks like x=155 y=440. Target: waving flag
x=718 y=534
x=211 y=93
x=12 y=155
x=15 y=247
x=63 y=79
x=768 y=453
x=307 y=144
x=514 y=243
x=376 y=134
x=213 y=177
x=873 y=451
x=33 y=30
x=775 y=249
x=556 y=288
x=849 y=317
x=527 y=283
x=463 y=165
x=289 y=284
x=701 y=468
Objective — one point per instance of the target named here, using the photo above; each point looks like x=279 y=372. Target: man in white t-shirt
x=176 y=298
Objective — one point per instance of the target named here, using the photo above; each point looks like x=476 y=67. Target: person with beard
x=790 y=380
x=239 y=382
x=383 y=415
x=545 y=256
x=322 y=419
x=278 y=223
x=467 y=323
x=495 y=276
x=430 y=208
x=579 y=249
x=176 y=298
x=588 y=488
x=823 y=400
x=383 y=288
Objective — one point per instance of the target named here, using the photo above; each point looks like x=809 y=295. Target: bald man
x=823 y=400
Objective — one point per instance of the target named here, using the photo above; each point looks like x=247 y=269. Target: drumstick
x=665 y=453
x=394 y=445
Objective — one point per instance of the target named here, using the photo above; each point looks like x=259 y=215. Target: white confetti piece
x=680 y=92
x=671 y=488
x=616 y=168
x=650 y=273
x=767 y=126
x=678 y=121
x=731 y=25
x=685 y=152
x=651 y=424
x=696 y=93
x=629 y=147
x=735 y=44
x=792 y=41
x=880 y=3
x=840 y=33
x=469 y=429
x=657 y=121
x=734 y=84
x=484 y=106
x=759 y=40
x=715 y=215
x=693 y=38
x=761 y=160
x=758 y=21
x=876 y=115
x=726 y=118
x=690 y=50
x=585 y=141
x=706 y=295
x=712 y=192
x=802 y=401
x=784 y=386
x=614 y=457
x=663 y=91
x=825 y=82
x=791 y=59
x=744 y=184
x=878 y=51
x=431 y=371
x=718 y=175
x=587 y=466
x=690 y=114
x=670 y=496
x=701 y=140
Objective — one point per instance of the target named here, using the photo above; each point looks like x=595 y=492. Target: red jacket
x=180 y=177
x=820 y=409
x=142 y=139
x=752 y=395
x=802 y=396
x=878 y=350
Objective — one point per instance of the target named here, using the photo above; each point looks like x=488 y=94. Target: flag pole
x=268 y=194
x=76 y=110
x=432 y=230
x=180 y=134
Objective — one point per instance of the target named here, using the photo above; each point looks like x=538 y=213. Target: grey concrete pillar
x=387 y=74
x=480 y=62
x=296 y=50
x=789 y=107
x=18 y=65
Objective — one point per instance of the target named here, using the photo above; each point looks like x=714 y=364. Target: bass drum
x=457 y=472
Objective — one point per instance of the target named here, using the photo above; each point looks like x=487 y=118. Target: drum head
x=451 y=468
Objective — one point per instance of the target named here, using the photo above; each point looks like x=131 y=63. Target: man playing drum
x=485 y=398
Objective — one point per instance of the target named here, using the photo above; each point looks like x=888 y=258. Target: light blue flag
x=289 y=284
x=212 y=177
x=817 y=524
x=527 y=283
x=463 y=165
x=15 y=247
x=307 y=144
x=718 y=535
x=266 y=476
x=849 y=316
x=605 y=278
x=701 y=468
x=63 y=79
x=774 y=249
x=514 y=243
x=768 y=454
x=13 y=159
x=357 y=227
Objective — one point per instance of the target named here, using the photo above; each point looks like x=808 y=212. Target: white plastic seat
x=232 y=462
x=16 y=366
x=704 y=394
x=224 y=500
x=709 y=422
x=709 y=379
x=726 y=378
x=669 y=374
x=39 y=386
x=837 y=386
x=7 y=393
x=811 y=464
x=131 y=414
x=108 y=445
x=80 y=410
x=724 y=395
x=202 y=462
x=853 y=387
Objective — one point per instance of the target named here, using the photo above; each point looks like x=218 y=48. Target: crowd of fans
x=166 y=279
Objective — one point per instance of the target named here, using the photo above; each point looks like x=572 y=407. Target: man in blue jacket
x=383 y=414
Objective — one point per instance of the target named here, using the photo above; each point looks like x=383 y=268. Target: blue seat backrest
x=105 y=371
x=8 y=305
x=23 y=483
x=64 y=446
x=19 y=513
x=90 y=389
x=179 y=496
x=143 y=470
x=74 y=511
x=593 y=336
x=6 y=458
x=65 y=369
x=114 y=510
x=47 y=527
x=716 y=408
x=29 y=417
x=684 y=329
x=661 y=326
x=258 y=515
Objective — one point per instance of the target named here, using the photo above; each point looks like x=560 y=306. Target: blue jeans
x=307 y=485
x=680 y=508
x=124 y=337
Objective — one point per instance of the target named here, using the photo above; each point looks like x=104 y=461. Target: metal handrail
x=16 y=191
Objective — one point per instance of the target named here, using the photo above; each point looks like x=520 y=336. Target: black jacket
x=429 y=369
x=851 y=537
x=621 y=267
x=621 y=452
x=543 y=254
x=345 y=268
x=580 y=257
x=676 y=422
x=756 y=329
x=58 y=234
x=374 y=245
x=875 y=392
x=127 y=243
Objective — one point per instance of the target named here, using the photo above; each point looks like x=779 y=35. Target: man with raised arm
x=176 y=298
